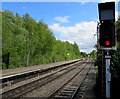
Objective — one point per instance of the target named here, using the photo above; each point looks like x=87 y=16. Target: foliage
x=83 y=54
x=26 y=40
x=118 y=30
x=93 y=54
x=115 y=60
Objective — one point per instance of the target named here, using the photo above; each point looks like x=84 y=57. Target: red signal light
x=107 y=43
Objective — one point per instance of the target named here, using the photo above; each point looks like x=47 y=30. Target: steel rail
x=30 y=72
x=69 y=94
x=12 y=79
x=79 y=86
x=32 y=85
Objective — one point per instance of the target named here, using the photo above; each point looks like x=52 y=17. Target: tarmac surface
x=90 y=93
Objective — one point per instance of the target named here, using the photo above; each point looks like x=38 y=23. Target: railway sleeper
x=68 y=91
x=61 y=97
x=65 y=94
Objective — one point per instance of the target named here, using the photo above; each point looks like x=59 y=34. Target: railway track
x=20 y=91
x=19 y=74
x=70 y=88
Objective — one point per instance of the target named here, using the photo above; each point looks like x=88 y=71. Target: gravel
x=49 y=88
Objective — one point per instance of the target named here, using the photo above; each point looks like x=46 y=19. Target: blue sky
x=71 y=21
x=48 y=10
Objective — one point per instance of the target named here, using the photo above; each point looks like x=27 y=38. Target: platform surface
x=30 y=68
x=90 y=93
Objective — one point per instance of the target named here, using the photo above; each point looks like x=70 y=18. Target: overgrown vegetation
x=115 y=65
x=27 y=42
x=115 y=62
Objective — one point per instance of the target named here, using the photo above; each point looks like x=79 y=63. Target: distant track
x=69 y=89
x=30 y=86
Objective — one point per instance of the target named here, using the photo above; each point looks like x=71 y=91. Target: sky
x=69 y=21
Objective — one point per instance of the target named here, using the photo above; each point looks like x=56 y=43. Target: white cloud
x=119 y=14
x=62 y=19
x=82 y=33
x=116 y=14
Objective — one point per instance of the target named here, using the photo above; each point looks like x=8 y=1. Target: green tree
x=31 y=43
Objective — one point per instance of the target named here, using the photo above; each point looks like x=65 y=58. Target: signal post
x=107 y=39
x=108 y=75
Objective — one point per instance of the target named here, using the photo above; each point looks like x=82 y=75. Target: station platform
x=91 y=92
x=9 y=72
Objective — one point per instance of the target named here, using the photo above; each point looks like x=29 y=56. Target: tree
x=32 y=43
x=118 y=30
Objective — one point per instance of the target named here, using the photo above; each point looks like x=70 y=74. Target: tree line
x=26 y=42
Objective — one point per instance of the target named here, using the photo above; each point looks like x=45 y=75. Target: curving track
x=62 y=82
x=70 y=88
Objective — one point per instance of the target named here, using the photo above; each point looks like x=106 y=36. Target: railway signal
x=107 y=24
x=106 y=40
x=107 y=34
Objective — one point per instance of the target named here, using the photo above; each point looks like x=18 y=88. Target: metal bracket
x=107 y=57
x=110 y=48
